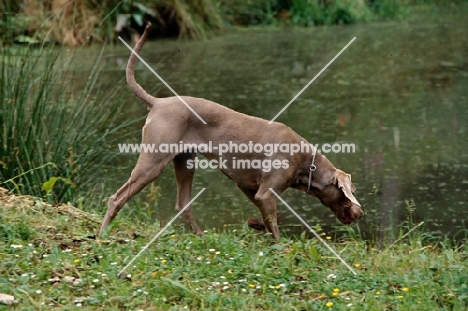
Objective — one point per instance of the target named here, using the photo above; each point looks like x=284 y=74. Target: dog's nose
x=361 y=214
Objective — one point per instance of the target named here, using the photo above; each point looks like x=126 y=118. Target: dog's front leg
x=267 y=205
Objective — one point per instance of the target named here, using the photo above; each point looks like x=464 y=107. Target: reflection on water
x=399 y=92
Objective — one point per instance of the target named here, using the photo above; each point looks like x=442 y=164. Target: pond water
x=399 y=93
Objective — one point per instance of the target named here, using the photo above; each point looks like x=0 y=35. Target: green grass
x=228 y=270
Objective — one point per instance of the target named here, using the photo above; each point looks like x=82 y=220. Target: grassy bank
x=83 y=21
x=50 y=258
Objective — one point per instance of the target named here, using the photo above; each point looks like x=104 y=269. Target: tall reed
x=55 y=135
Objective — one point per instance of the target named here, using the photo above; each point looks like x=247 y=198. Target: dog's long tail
x=134 y=86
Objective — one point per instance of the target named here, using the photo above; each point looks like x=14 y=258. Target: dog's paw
x=256 y=223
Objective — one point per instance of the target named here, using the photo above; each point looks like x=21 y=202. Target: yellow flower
x=328 y=237
x=163 y=261
x=252 y=285
x=357 y=265
x=334 y=294
x=405 y=289
x=277 y=287
x=76 y=261
x=321 y=296
x=336 y=290
x=399 y=297
x=329 y=304
x=173 y=235
x=377 y=293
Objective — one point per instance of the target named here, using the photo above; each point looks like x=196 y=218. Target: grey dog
x=170 y=122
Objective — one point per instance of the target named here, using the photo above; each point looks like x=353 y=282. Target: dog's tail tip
x=149 y=25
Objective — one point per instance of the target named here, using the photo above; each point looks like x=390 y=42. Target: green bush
x=317 y=12
x=389 y=9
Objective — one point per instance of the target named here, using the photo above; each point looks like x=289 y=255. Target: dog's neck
x=324 y=168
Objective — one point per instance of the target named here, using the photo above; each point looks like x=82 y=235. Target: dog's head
x=336 y=191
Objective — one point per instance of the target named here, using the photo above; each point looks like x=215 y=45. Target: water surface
x=399 y=93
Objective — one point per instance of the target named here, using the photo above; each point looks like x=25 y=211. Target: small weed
x=9 y=233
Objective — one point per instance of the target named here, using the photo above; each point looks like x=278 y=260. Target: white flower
x=260 y=254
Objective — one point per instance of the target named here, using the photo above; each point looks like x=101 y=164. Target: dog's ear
x=343 y=181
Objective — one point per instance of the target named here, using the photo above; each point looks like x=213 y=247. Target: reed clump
x=55 y=135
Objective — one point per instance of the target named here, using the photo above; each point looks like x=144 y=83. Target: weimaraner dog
x=169 y=121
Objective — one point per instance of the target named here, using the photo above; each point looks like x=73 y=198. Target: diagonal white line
x=162 y=80
x=315 y=233
x=161 y=231
x=310 y=82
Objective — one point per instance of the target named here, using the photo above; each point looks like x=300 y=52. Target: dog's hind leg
x=148 y=167
x=184 y=177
